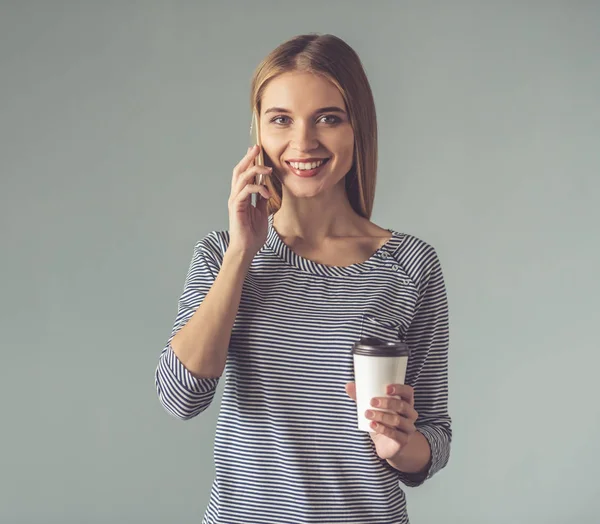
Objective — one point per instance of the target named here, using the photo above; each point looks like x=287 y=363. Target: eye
x=333 y=119
x=275 y=120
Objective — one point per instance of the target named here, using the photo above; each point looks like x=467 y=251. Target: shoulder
x=417 y=256
x=414 y=248
x=405 y=246
x=215 y=242
x=212 y=247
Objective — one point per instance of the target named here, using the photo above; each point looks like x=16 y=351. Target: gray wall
x=120 y=123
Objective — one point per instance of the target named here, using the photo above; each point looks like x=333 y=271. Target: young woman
x=277 y=301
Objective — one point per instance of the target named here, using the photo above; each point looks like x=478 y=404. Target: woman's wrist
x=415 y=457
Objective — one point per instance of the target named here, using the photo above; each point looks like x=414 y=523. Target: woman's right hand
x=248 y=225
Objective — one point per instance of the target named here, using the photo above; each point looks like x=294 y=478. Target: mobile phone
x=260 y=159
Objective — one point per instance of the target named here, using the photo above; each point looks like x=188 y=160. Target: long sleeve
x=427 y=373
x=182 y=394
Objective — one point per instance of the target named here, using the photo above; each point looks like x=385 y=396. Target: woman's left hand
x=391 y=431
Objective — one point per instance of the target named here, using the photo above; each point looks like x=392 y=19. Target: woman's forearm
x=202 y=344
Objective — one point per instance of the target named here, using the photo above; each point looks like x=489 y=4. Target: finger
x=396 y=405
x=394 y=434
x=245 y=162
x=263 y=206
x=351 y=390
x=403 y=391
x=390 y=403
x=410 y=413
x=249 y=176
x=385 y=417
x=248 y=190
x=393 y=420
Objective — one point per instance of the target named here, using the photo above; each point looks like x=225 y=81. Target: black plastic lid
x=374 y=347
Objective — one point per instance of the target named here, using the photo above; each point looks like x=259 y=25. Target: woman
x=283 y=294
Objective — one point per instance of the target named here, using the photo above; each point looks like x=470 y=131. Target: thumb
x=261 y=204
x=351 y=390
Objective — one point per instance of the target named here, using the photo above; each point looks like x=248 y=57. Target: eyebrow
x=330 y=109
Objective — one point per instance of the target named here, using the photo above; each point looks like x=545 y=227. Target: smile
x=307 y=169
x=307 y=165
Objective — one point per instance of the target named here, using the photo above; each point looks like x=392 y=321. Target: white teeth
x=305 y=166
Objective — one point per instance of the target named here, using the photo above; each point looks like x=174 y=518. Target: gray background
x=120 y=123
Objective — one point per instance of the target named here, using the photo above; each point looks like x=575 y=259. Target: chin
x=308 y=190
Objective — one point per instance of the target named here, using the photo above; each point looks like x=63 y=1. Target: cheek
x=346 y=145
x=347 y=152
x=273 y=149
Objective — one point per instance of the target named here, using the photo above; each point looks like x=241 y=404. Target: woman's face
x=303 y=119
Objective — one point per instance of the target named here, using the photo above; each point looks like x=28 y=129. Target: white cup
x=376 y=364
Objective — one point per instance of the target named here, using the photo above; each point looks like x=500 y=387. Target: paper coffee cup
x=377 y=363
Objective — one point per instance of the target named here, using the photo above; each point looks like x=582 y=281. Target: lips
x=307 y=173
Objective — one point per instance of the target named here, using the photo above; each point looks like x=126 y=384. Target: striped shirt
x=287 y=448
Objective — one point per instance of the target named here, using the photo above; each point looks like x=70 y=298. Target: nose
x=304 y=137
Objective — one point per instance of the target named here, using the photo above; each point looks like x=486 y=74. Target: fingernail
x=390 y=390
x=369 y=414
x=375 y=402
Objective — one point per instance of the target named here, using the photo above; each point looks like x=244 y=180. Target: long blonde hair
x=334 y=59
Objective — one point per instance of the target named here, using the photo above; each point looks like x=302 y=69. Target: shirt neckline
x=382 y=257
